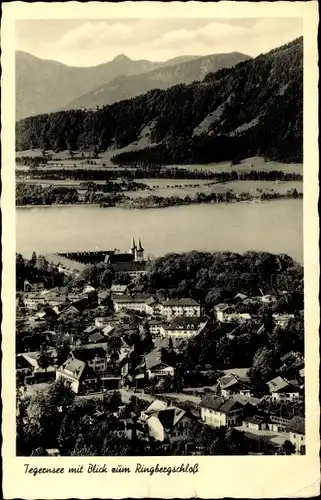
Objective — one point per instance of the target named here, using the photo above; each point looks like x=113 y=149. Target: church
x=131 y=263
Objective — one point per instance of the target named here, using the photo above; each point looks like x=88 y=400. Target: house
x=164 y=422
x=23 y=366
x=277 y=423
x=280 y=388
x=268 y=299
x=33 y=301
x=103 y=321
x=90 y=293
x=96 y=338
x=182 y=327
x=218 y=411
x=125 y=350
x=119 y=289
x=180 y=307
x=108 y=330
x=78 y=374
x=282 y=320
x=154 y=365
x=33 y=287
x=255 y=423
x=296 y=430
x=47 y=312
x=153 y=306
x=291 y=357
x=155 y=327
x=103 y=295
x=230 y=316
x=232 y=384
x=53 y=452
x=94 y=356
x=35 y=373
x=222 y=310
x=91 y=329
x=132 y=303
x=240 y=297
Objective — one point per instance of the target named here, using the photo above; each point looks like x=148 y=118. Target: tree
x=44 y=359
x=288 y=447
x=63 y=351
x=39 y=452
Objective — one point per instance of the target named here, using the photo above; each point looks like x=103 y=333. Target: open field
x=59 y=160
x=237 y=187
x=246 y=165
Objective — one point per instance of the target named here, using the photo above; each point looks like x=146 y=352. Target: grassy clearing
x=207 y=188
x=246 y=166
x=104 y=162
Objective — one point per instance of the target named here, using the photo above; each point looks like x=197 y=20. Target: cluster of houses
x=91 y=366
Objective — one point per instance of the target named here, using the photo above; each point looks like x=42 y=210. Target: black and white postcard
x=160 y=250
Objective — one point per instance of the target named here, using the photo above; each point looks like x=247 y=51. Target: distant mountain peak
x=121 y=58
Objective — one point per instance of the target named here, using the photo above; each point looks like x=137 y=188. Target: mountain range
x=253 y=108
x=44 y=86
x=127 y=86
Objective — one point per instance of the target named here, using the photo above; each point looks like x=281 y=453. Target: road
x=273 y=437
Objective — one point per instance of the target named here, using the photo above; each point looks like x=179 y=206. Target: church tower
x=133 y=248
x=139 y=253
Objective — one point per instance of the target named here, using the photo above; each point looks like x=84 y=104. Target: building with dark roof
x=232 y=384
x=184 y=306
x=183 y=327
x=95 y=357
x=77 y=374
x=280 y=388
x=218 y=411
x=154 y=365
x=296 y=430
x=164 y=421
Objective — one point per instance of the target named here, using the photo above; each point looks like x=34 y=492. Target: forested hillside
x=254 y=108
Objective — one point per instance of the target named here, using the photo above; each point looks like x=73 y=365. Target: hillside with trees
x=254 y=108
x=215 y=277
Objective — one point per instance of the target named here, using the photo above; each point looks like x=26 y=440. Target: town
x=186 y=354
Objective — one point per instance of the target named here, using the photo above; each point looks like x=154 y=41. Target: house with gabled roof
x=77 y=374
x=280 y=388
x=164 y=421
x=232 y=384
x=119 y=289
x=218 y=411
x=153 y=365
x=222 y=310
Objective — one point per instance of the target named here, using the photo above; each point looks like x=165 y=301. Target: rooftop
x=297 y=425
x=74 y=366
x=279 y=384
x=218 y=403
x=184 y=301
x=89 y=354
x=184 y=322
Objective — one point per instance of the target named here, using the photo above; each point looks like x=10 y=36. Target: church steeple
x=133 y=246
x=139 y=252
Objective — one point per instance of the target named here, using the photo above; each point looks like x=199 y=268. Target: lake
x=274 y=226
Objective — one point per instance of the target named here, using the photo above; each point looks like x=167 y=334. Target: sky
x=91 y=42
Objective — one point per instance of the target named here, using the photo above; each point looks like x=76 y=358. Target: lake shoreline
x=128 y=205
